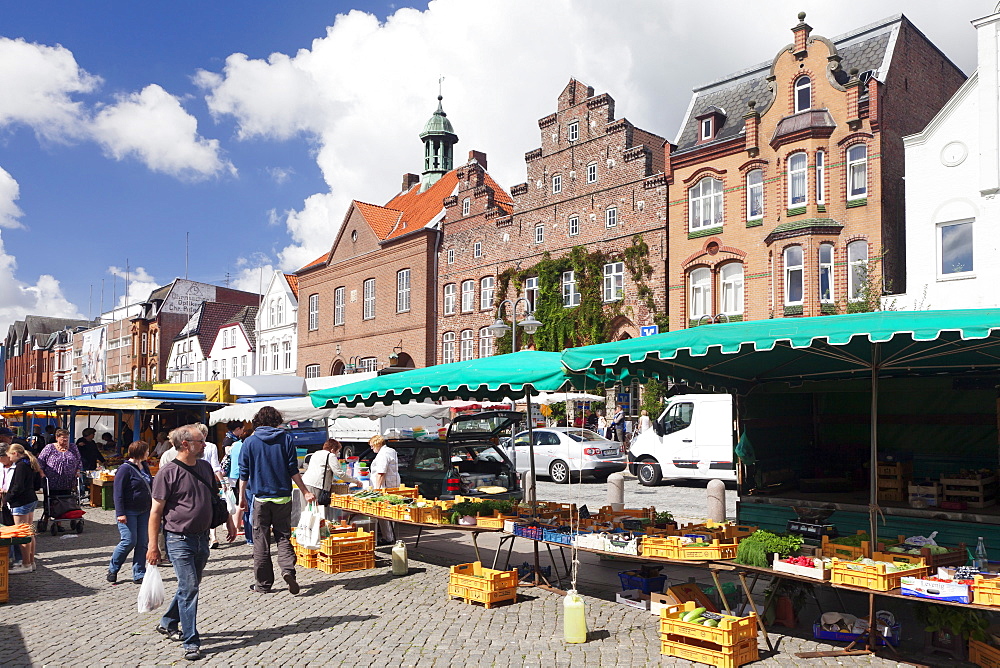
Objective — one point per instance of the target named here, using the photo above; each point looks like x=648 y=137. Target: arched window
x=485 y=342
x=755 y=194
x=448 y=348
x=701 y=292
x=449 y=299
x=486 y=291
x=803 y=94
x=271 y=314
x=731 y=277
x=468 y=296
x=826 y=273
x=705 y=203
x=793 y=275
x=468 y=348
x=280 y=310
x=820 y=177
x=857 y=172
x=797 y=185
x=466 y=206
x=857 y=269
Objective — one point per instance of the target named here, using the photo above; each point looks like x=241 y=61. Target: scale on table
x=811 y=524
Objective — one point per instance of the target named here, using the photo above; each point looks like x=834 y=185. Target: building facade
x=277 y=326
x=786 y=178
x=952 y=182
x=234 y=351
x=189 y=359
x=39 y=351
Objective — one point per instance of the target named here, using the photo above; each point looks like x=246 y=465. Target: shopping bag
x=230 y=498
x=307 y=533
x=151 y=593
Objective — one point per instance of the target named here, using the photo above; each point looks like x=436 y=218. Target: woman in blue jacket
x=133 y=500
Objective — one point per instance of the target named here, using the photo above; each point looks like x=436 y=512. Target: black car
x=468 y=458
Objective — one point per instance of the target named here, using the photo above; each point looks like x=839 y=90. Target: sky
x=223 y=140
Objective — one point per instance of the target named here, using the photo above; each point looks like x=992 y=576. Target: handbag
x=220 y=511
x=323 y=498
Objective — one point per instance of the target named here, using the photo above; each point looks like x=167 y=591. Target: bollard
x=716 y=500
x=616 y=491
x=528 y=486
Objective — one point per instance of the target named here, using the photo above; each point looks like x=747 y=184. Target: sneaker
x=293 y=584
x=32 y=567
x=257 y=589
x=112 y=577
x=193 y=654
x=213 y=546
x=171 y=634
x=138 y=582
x=19 y=569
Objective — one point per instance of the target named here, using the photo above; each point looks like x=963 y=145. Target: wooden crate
x=890 y=472
x=986 y=591
x=4 y=575
x=348 y=542
x=474 y=576
x=487 y=598
x=848 y=552
x=710 y=653
x=730 y=631
x=953 y=557
x=974 y=492
x=871 y=576
x=929 y=492
x=983 y=655
x=347 y=562
x=896 y=495
x=817 y=572
x=671 y=547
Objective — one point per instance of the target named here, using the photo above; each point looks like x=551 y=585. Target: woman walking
x=21 y=497
x=133 y=500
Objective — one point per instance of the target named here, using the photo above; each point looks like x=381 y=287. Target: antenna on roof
x=187 y=240
x=440 y=81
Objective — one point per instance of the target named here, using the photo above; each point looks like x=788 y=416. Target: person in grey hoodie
x=268 y=467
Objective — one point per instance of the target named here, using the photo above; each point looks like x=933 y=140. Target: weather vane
x=440 y=81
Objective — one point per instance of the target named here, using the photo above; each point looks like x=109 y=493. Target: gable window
x=486 y=292
x=826 y=273
x=451 y=256
x=731 y=277
x=448 y=348
x=313 y=312
x=701 y=292
x=796 y=179
x=955 y=248
x=592 y=173
x=570 y=296
x=467 y=346
x=556 y=184
x=755 y=194
x=531 y=292
x=803 y=94
x=270 y=313
x=857 y=172
x=611 y=216
x=705 y=203
x=468 y=296
x=820 y=177
x=449 y=299
x=338 y=306
x=485 y=342
x=574 y=225
x=706 y=128
x=573 y=131
x=369 y=297
x=402 y=291
x=793 y=275
x=857 y=269
x=539 y=234
x=280 y=311
x=477 y=249
x=614 y=281
x=466 y=206
x=312 y=371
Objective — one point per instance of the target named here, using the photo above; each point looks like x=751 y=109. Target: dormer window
x=803 y=94
x=706 y=128
x=710 y=122
x=573 y=131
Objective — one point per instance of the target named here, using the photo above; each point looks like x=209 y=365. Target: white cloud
x=139 y=281
x=153 y=126
x=280 y=174
x=10 y=191
x=38 y=83
x=253 y=278
x=18 y=298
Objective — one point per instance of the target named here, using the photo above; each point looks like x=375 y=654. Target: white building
x=952 y=183
x=277 y=322
x=189 y=359
x=232 y=352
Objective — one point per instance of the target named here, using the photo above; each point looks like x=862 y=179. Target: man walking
x=268 y=467
x=182 y=500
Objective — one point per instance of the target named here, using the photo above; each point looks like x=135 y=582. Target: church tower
x=438 y=137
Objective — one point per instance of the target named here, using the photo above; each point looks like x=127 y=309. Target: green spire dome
x=438 y=137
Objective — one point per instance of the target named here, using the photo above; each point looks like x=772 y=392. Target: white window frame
x=368 y=291
x=313 y=312
x=699 y=292
x=275 y=357
x=280 y=310
x=468 y=296
x=574 y=225
x=611 y=217
x=451 y=256
x=820 y=177
x=798 y=179
x=556 y=184
x=539 y=233
x=826 y=269
x=466 y=346
x=794 y=273
x=243 y=365
x=270 y=313
x=706 y=128
x=857 y=269
x=614 y=281
x=487 y=287
x=145 y=341
x=939 y=232
x=368 y=364
x=570 y=295
x=573 y=131
x=338 y=305
x=731 y=288
x=263 y=357
x=592 y=173
x=705 y=195
x=449 y=298
x=286 y=350
x=755 y=187
x=857 y=172
x=477 y=249
x=485 y=342
x=402 y=291
x=531 y=291
x=312 y=371
x=803 y=85
x=448 y=348
x=466 y=206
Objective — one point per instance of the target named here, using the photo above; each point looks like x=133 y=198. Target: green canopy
x=740 y=355
x=487 y=379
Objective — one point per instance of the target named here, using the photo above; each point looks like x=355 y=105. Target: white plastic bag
x=921 y=541
x=230 y=498
x=151 y=593
x=307 y=532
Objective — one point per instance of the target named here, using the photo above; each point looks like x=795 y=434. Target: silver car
x=560 y=450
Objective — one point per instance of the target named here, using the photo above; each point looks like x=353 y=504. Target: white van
x=692 y=438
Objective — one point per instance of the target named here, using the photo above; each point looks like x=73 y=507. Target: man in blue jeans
x=182 y=500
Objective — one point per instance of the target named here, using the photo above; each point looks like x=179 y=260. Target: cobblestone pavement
x=66 y=614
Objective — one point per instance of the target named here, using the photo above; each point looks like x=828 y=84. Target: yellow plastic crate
x=872 y=576
x=671 y=547
x=705 y=652
x=983 y=655
x=494 y=522
x=487 y=598
x=474 y=576
x=833 y=550
x=348 y=543
x=986 y=591
x=346 y=563
x=404 y=491
x=730 y=631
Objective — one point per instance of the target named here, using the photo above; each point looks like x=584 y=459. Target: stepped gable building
x=786 y=178
x=595 y=189
x=371 y=302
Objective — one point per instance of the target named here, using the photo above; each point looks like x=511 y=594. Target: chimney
x=801 y=32
x=751 y=121
x=853 y=118
x=873 y=103
x=410 y=180
x=479 y=157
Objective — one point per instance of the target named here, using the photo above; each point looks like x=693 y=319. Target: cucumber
x=692 y=615
x=710 y=622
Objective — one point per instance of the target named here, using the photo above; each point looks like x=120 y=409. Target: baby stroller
x=60 y=509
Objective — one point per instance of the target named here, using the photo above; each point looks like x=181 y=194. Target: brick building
x=370 y=303
x=39 y=351
x=190 y=357
x=587 y=229
x=786 y=178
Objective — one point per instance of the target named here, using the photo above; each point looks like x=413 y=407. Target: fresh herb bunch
x=757 y=548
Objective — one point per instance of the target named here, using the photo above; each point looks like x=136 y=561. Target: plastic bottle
x=982 y=561
x=574 y=618
x=400 y=564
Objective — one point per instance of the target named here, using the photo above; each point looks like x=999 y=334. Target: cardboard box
x=659 y=601
x=938 y=591
x=634 y=599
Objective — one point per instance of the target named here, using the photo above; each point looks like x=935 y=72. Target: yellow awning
x=214 y=390
x=112 y=404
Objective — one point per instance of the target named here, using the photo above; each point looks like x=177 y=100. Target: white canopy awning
x=300 y=409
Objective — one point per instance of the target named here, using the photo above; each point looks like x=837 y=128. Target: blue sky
x=131 y=124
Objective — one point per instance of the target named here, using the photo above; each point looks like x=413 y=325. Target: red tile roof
x=419 y=208
x=381 y=219
x=293 y=283
x=500 y=196
x=318 y=261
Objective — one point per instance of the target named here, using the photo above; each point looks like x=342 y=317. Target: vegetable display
x=757 y=548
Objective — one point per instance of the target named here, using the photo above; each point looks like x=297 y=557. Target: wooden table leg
x=475 y=544
x=555 y=569
x=718 y=588
x=420 y=532
x=760 y=617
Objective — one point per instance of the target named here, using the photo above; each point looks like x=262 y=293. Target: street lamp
x=529 y=323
